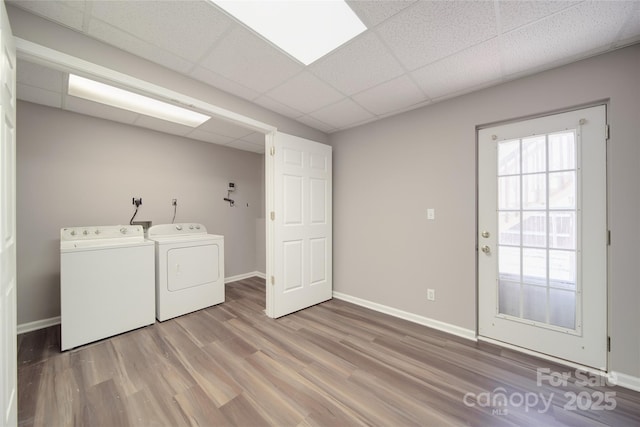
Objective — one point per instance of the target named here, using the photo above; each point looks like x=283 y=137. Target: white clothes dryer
x=106 y=282
x=189 y=268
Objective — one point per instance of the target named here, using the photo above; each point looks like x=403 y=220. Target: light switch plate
x=431 y=213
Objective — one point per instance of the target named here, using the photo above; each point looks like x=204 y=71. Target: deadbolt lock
x=486 y=234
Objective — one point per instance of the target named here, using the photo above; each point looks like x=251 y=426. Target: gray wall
x=75 y=170
x=386 y=175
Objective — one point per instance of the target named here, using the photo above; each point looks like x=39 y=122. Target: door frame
x=601 y=102
x=269 y=201
x=8 y=254
x=48 y=57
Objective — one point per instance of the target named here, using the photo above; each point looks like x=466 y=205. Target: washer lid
x=101 y=236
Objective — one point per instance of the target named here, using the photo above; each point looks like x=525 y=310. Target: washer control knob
x=85 y=232
x=73 y=232
x=191 y=227
x=197 y=227
x=123 y=230
x=97 y=231
x=178 y=227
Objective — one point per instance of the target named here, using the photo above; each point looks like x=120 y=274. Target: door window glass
x=537 y=228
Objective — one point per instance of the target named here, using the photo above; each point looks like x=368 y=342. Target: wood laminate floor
x=335 y=364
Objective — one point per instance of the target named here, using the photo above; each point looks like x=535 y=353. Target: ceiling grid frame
x=381 y=80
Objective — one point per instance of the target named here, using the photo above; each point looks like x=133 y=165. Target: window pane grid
x=537 y=196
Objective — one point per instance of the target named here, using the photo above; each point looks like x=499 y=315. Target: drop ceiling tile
x=305 y=92
x=162 y=125
x=185 y=28
x=424 y=36
x=343 y=114
x=95 y=109
x=514 y=14
x=431 y=30
x=214 y=138
x=38 y=95
x=408 y=108
x=390 y=96
x=472 y=67
x=273 y=105
x=246 y=146
x=255 y=138
x=249 y=60
x=223 y=83
x=39 y=76
x=223 y=127
x=363 y=63
x=316 y=124
x=632 y=29
x=371 y=13
x=67 y=13
x=580 y=30
x=131 y=44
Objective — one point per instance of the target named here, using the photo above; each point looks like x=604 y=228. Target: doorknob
x=486 y=249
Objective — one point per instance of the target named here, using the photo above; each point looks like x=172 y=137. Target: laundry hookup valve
x=231 y=188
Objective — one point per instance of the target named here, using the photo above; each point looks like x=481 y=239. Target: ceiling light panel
x=305 y=29
x=120 y=98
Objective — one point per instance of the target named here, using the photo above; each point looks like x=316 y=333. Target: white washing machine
x=189 y=268
x=107 y=282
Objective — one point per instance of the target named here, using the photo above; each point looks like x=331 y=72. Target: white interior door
x=299 y=262
x=8 y=351
x=542 y=258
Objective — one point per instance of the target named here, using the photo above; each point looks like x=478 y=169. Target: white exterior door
x=8 y=351
x=542 y=255
x=299 y=259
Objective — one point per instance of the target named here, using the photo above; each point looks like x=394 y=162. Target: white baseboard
x=38 y=324
x=625 y=380
x=45 y=323
x=243 y=276
x=411 y=317
x=620 y=379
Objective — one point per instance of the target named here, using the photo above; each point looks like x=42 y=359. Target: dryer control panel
x=188 y=228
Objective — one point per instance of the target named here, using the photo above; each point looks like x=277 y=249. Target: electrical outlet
x=431 y=213
x=137 y=201
x=174 y=202
x=431 y=294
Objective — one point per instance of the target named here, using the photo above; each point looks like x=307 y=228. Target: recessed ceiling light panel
x=110 y=95
x=305 y=29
